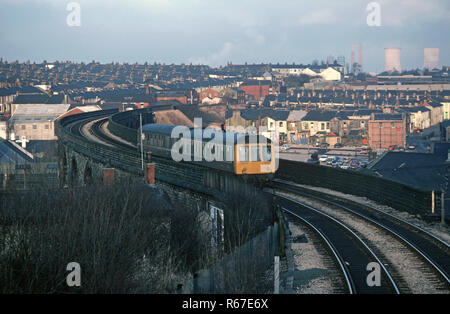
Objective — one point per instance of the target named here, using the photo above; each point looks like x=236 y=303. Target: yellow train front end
x=255 y=158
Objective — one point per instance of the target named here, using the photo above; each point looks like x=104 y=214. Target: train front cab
x=254 y=159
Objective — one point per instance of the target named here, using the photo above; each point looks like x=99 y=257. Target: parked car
x=312 y=161
x=330 y=160
x=338 y=145
x=364 y=163
x=324 y=145
x=323 y=158
x=345 y=166
x=412 y=147
x=285 y=147
x=392 y=147
x=364 y=151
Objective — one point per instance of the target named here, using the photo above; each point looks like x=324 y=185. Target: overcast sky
x=217 y=31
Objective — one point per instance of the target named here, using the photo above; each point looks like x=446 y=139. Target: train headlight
x=266 y=168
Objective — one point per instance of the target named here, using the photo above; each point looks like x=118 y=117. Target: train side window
x=229 y=153
x=196 y=149
x=254 y=153
x=219 y=150
x=266 y=153
x=243 y=153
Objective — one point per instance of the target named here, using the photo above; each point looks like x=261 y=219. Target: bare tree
x=120 y=236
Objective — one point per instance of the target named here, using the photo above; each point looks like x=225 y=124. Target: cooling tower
x=431 y=58
x=392 y=59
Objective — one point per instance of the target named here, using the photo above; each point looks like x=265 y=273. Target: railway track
x=430 y=250
x=97 y=131
x=348 y=249
x=311 y=251
x=75 y=127
x=351 y=253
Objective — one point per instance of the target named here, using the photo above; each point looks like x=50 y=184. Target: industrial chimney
x=431 y=58
x=392 y=59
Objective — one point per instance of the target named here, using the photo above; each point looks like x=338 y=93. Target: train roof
x=165 y=129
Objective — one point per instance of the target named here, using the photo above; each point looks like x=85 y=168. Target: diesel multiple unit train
x=243 y=154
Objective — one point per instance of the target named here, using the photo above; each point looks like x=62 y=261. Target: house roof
x=419 y=170
x=296 y=115
x=445 y=124
x=254 y=114
x=434 y=104
x=388 y=116
x=31 y=99
x=315 y=115
x=165 y=129
x=12 y=153
x=415 y=109
x=256 y=83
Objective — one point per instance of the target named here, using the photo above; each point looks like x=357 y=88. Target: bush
x=248 y=213
x=119 y=235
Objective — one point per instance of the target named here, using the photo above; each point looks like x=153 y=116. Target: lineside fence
x=390 y=193
x=246 y=270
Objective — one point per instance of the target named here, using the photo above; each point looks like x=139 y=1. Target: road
x=422 y=141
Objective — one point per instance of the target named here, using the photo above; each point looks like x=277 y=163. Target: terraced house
x=268 y=120
x=417 y=118
x=436 y=109
x=317 y=121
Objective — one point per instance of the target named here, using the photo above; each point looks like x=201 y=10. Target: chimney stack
x=108 y=176
x=150 y=173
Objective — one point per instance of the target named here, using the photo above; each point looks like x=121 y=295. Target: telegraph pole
x=443 y=208
x=142 y=146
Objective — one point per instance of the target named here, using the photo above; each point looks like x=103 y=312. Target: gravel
x=406 y=267
x=315 y=271
x=435 y=228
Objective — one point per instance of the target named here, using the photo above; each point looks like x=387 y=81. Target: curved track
x=349 y=250
x=352 y=254
x=97 y=131
x=433 y=251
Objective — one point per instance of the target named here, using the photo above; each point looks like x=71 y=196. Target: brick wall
x=256 y=91
x=383 y=134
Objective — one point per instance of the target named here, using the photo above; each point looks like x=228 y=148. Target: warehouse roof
x=38 y=112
